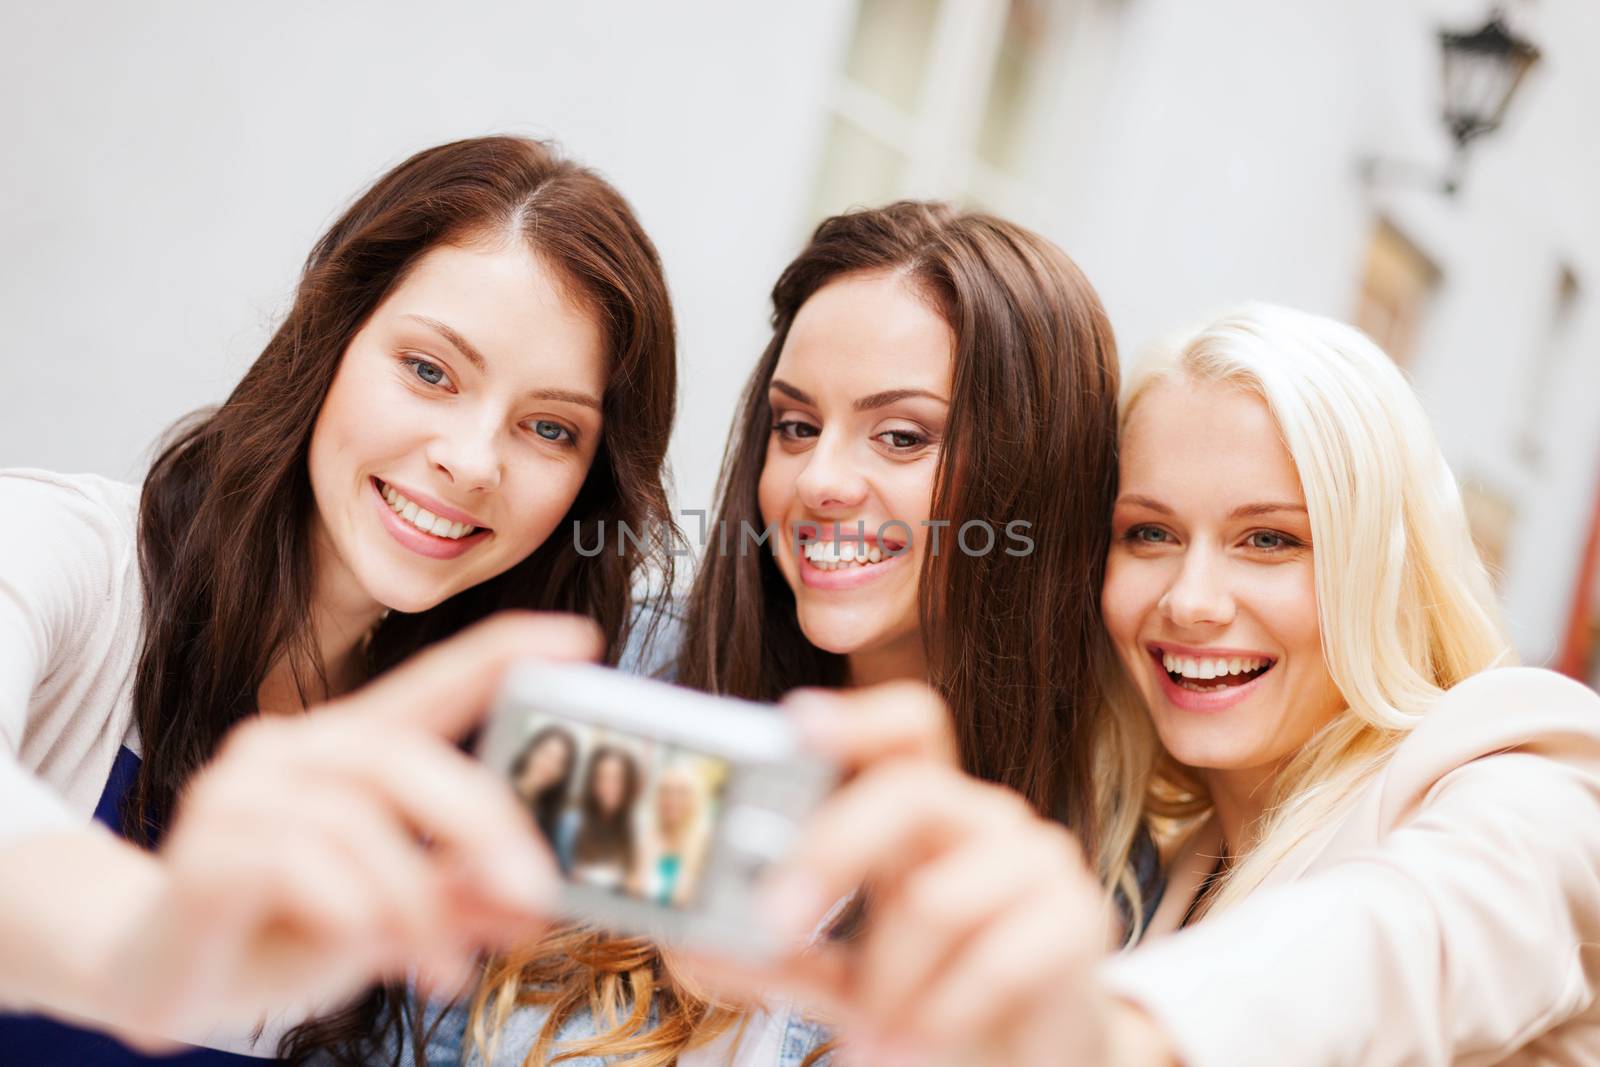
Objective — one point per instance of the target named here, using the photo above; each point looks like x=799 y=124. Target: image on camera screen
x=621 y=812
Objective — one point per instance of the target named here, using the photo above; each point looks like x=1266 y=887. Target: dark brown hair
x=225 y=514
x=546 y=805
x=1010 y=640
x=603 y=835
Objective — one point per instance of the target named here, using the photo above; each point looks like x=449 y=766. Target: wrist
x=1135 y=1039
x=73 y=903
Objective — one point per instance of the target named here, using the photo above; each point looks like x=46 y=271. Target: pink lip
x=1221 y=699
x=422 y=544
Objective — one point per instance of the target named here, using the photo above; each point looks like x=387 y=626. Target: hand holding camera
x=415 y=856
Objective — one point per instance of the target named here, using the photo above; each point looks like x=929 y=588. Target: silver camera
x=663 y=805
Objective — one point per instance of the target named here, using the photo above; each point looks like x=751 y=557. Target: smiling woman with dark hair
x=929 y=441
x=542 y=774
x=480 y=353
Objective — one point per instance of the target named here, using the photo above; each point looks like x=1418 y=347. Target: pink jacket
x=1451 y=916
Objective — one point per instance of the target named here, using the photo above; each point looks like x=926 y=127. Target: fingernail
x=792 y=903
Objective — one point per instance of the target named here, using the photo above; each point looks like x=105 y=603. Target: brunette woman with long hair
x=596 y=843
x=478 y=362
x=542 y=774
x=918 y=485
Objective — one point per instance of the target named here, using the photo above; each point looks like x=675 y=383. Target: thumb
x=447 y=688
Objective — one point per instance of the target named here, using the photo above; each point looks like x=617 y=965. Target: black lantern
x=1481 y=73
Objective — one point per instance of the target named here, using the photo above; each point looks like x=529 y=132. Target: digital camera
x=662 y=805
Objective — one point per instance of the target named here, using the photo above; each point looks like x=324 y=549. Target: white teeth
x=423 y=519
x=1205 y=668
x=832 y=555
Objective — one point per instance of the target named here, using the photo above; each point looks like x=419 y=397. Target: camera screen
x=621 y=812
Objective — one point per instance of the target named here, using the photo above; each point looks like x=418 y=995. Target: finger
x=402 y=886
x=921 y=923
x=464 y=810
x=879 y=825
x=446 y=688
x=816 y=977
x=1049 y=947
x=257 y=916
x=866 y=726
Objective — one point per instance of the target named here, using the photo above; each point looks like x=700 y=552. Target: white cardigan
x=1450 y=916
x=71 y=617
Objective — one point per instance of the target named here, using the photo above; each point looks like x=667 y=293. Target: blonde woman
x=1392 y=846
x=675 y=844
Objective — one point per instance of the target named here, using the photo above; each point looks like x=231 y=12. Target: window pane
x=889 y=51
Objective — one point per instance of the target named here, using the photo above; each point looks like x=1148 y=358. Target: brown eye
x=901 y=440
x=794 y=430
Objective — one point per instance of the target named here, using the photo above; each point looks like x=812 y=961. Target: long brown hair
x=601 y=834
x=226 y=509
x=1011 y=641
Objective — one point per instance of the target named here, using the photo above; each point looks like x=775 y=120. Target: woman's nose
x=468 y=453
x=831 y=480
x=1199 y=594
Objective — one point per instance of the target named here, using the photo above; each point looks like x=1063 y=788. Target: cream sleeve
x=1469 y=929
x=57 y=565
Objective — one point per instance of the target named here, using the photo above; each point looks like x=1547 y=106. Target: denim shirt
x=449 y=1045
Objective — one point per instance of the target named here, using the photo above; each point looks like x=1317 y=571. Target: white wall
x=163 y=170
x=1206 y=153
x=166 y=168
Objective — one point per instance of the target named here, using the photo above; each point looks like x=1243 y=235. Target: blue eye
x=428 y=372
x=1145 y=535
x=551 y=431
x=1271 y=541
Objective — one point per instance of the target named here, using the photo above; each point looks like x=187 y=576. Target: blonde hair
x=1404 y=603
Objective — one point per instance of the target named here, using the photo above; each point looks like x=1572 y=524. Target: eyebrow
x=465 y=347
x=1243 y=511
x=870 y=402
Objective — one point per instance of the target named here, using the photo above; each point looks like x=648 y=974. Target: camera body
x=666 y=805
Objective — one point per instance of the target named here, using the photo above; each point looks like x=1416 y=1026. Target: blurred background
x=1427 y=169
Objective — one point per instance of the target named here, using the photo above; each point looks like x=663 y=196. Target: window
x=1554 y=348
x=934 y=101
x=1395 y=286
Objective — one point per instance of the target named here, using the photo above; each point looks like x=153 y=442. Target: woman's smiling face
x=1209 y=595
x=470 y=404
x=859 y=401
